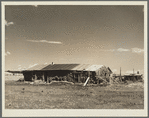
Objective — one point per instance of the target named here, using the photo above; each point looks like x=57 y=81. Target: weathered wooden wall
x=103 y=74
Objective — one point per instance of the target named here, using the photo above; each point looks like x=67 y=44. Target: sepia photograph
x=74 y=58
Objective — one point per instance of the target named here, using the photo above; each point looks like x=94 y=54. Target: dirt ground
x=20 y=95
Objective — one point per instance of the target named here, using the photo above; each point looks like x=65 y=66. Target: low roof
x=127 y=75
x=8 y=73
x=133 y=75
x=78 y=67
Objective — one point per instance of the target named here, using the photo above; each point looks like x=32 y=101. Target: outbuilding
x=133 y=77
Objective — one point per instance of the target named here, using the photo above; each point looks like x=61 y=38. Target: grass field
x=67 y=96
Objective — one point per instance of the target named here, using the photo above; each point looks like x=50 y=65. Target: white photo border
x=76 y=112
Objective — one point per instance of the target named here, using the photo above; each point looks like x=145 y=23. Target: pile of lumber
x=116 y=80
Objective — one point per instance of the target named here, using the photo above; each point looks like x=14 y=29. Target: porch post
x=78 y=77
x=43 y=77
x=89 y=76
x=32 y=77
x=35 y=77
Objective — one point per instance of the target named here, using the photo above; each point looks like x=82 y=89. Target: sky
x=104 y=35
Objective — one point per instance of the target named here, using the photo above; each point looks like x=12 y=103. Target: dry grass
x=60 y=96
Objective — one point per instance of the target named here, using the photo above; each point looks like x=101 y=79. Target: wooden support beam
x=47 y=80
x=35 y=77
x=86 y=81
x=79 y=78
x=103 y=79
x=73 y=77
x=43 y=77
x=77 y=72
x=32 y=77
x=110 y=80
x=88 y=73
x=98 y=81
x=120 y=75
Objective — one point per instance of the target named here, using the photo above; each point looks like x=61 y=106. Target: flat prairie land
x=20 y=95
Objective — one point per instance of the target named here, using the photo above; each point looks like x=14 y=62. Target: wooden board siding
x=33 y=75
x=103 y=74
